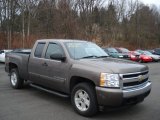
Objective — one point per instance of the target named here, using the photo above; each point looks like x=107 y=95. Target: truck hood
x=113 y=65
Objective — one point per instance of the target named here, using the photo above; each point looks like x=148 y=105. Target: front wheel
x=84 y=100
x=16 y=81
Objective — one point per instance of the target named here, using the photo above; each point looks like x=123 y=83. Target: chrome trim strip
x=134 y=79
x=134 y=73
x=130 y=78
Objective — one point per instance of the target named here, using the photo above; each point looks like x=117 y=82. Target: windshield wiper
x=102 y=56
x=94 y=56
x=91 y=56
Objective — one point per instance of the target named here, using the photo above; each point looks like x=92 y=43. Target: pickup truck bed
x=20 y=59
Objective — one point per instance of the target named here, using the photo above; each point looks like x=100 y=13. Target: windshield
x=79 y=50
x=147 y=53
x=140 y=51
x=112 y=50
x=137 y=53
x=124 y=50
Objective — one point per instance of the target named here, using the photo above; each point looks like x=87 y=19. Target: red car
x=145 y=58
x=136 y=56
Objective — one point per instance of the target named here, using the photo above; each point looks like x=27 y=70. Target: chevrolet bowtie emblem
x=140 y=78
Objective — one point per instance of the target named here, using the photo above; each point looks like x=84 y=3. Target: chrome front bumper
x=138 y=90
x=116 y=97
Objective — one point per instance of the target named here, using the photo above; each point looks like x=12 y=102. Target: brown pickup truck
x=82 y=71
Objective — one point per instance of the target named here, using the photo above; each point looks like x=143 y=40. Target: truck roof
x=61 y=40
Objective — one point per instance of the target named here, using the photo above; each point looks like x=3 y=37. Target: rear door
x=35 y=67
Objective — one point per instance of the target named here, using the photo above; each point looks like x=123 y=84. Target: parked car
x=156 y=51
x=155 y=58
x=134 y=56
x=114 y=53
x=3 y=54
x=82 y=71
x=143 y=57
x=124 y=51
x=151 y=51
x=140 y=51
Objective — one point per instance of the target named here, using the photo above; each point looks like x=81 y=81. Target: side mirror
x=57 y=56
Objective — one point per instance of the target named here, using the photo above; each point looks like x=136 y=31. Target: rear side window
x=39 y=50
x=52 y=49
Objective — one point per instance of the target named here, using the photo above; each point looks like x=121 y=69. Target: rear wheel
x=16 y=81
x=84 y=100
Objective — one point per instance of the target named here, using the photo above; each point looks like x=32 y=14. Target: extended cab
x=81 y=70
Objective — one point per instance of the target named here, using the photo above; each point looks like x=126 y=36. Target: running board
x=49 y=91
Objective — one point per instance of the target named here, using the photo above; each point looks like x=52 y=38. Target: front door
x=54 y=71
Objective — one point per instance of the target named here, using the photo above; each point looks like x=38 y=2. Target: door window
x=52 y=49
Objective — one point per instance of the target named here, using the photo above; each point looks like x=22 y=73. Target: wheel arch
x=12 y=66
x=76 y=80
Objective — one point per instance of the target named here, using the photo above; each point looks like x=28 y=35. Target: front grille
x=133 y=79
x=134 y=83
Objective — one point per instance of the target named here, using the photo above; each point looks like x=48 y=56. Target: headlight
x=132 y=56
x=109 y=80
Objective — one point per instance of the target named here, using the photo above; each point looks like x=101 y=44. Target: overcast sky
x=156 y=2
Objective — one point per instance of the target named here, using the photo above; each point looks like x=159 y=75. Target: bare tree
x=114 y=21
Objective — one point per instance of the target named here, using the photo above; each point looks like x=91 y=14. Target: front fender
x=84 y=72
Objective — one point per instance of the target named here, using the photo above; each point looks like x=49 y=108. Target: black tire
x=16 y=82
x=141 y=61
x=92 y=108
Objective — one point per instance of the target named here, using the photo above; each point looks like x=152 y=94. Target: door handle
x=45 y=64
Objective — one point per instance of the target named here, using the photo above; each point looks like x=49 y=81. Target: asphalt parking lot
x=32 y=104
